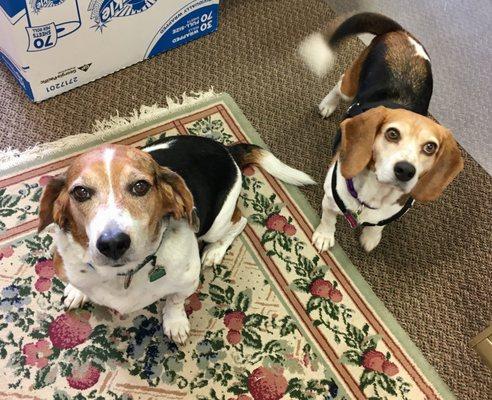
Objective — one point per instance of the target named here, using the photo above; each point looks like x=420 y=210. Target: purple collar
x=355 y=195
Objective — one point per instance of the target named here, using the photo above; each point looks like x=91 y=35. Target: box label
x=103 y=11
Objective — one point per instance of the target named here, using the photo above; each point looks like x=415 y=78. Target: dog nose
x=404 y=171
x=113 y=243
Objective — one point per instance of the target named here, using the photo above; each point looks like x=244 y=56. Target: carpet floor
x=432 y=269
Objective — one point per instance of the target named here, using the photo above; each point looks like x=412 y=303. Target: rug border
x=390 y=321
x=341 y=257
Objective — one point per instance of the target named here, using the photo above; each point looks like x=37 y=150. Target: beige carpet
x=432 y=270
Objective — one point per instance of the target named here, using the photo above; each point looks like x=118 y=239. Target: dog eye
x=430 y=148
x=140 y=188
x=392 y=134
x=81 y=193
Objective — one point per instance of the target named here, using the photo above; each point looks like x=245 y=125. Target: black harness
x=353 y=217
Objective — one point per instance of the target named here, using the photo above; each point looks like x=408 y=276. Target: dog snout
x=113 y=243
x=404 y=171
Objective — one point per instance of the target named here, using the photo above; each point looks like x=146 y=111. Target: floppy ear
x=51 y=208
x=175 y=189
x=447 y=165
x=358 y=134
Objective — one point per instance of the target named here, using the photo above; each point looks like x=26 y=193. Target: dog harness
x=353 y=217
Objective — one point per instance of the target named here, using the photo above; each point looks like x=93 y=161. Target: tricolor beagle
x=388 y=152
x=128 y=220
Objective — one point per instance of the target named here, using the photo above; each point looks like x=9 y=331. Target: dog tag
x=351 y=219
x=156 y=273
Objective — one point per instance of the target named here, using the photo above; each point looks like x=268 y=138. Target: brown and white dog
x=388 y=152
x=128 y=221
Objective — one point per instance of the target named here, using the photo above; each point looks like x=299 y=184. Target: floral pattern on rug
x=274 y=321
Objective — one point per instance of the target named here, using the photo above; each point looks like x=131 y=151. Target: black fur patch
x=207 y=168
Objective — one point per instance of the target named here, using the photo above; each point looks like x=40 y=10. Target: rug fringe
x=11 y=158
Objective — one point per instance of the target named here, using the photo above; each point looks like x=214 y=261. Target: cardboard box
x=52 y=46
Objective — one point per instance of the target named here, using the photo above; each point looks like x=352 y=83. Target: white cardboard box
x=52 y=46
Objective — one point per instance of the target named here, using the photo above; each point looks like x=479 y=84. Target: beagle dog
x=387 y=151
x=128 y=220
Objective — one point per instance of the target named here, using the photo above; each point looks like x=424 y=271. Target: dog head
x=404 y=149
x=113 y=201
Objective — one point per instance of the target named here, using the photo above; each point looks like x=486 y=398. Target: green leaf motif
x=243 y=300
x=251 y=339
x=367 y=378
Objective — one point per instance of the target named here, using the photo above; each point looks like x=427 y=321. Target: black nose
x=404 y=171
x=113 y=243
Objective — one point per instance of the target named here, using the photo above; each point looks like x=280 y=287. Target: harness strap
x=351 y=217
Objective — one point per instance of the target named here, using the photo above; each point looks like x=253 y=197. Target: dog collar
x=355 y=195
x=353 y=217
x=156 y=272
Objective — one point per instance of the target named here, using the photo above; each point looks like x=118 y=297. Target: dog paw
x=73 y=297
x=176 y=327
x=323 y=240
x=213 y=254
x=326 y=108
x=370 y=238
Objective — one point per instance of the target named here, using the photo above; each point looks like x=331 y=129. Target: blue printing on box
x=20 y=78
x=12 y=7
x=178 y=34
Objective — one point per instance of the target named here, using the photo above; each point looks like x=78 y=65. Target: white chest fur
x=380 y=196
x=102 y=285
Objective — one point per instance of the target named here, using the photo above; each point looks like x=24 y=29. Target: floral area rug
x=277 y=320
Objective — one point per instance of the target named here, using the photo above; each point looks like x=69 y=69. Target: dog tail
x=246 y=154
x=318 y=49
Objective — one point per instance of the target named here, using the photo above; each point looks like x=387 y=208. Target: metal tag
x=156 y=273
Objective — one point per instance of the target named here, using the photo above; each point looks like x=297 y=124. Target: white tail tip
x=278 y=169
x=316 y=54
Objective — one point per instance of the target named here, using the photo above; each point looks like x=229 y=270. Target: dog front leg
x=370 y=237
x=324 y=235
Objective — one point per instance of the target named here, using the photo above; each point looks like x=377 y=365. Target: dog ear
x=174 y=188
x=52 y=207
x=358 y=134
x=447 y=165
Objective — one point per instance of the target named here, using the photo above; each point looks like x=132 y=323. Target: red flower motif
x=276 y=222
x=84 y=377
x=37 y=354
x=335 y=295
x=233 y=337
x=244 y=397
x=44 y=180
x=234 y=320
x=320 y=288
x=390 y=368
x=42 y=284
x=373 y=360
x=70 y=329
x=6 y=252
x=248 y=170
x=290 y=230
x=193 y=303
x=45 y=269
x=267 y=384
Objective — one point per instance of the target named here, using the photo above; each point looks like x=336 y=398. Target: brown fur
x=401 y=57
x=447 y=165
x=350 y=80
x=358 y=135
x=236 y=216
x=59 y=268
